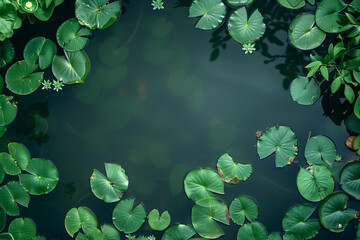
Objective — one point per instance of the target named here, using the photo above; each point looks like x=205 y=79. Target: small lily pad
x=6 y=52
x=212 y=13
x=22 y=228
x=239 y=3
x=8 y=164
x=41 y=49
x=242 y=207
x=12 y=194
x=178 y=232
x=79 y=217
x=350 y=179
x=328 y=17
x=232 y=172
x=320 y=149
x=8 y=110
x=254 y=231
x=303 y=91
x=20 y=154
x=158 y=222
x=71 y=36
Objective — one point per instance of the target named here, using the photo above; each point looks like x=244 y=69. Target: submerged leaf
x=212 y=13
x=232 y=172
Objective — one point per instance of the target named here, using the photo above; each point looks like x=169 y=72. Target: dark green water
x=160 y=108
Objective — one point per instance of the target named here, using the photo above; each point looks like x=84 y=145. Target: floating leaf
x=6 y=236
x=296 y=221
x=333 y=213
x=274 y=236
x=110 y=232
x=353 y=123
x=22 y=228
x=9 y=165
x=6 y=52
x=281 y=140
x=11 y=194
x=20 y=154
x=303 y=33
x=199 y=184
x=178 y=232
x=79 y=217
x=2 y=173
x=42 y=179
x=29 y=6
x=328 y=17
x=112 y=188
x=295 y=4
x=44 y=12
x=97 y=14
x=71 y=36
x=2 y=218
x=212 y=13
x=232 y=172
x=93 y=233
x=315 y=182
x=41 y=49
x=158 y=222
x=8 y=110
x=254 y=231
x=320 y=149
x=242 y=207
x=8 y=15
x=350 y=179
x=126 y=218
x=304 y=92
x=239 y=3
x=242 y=29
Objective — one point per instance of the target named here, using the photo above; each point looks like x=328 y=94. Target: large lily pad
x=158 y=222
x=303 y=91
x=333 y=212
x=112 y=188
x=199 y=184
x=242 y=207
x=73 y=69
x=239 y=3
x=303 y=33
x=71 y=36
x=8 y=14
x=315 y=182
x=8 y=110
x=296 y=221
x=320 y=149
x=254 y=231
x=232 y=172
x=212 y=13
x=97 y=14
x=20 y=154
x=21 y=80
x=79 y=217
x=42 y=178
x=243 y=29
x=292 y=4
x=350 y=179
x=328 y=17
x=6 y=52
x=41 y=49
x=178 y=232
x=11 y=194
x=8 y=164
x=110 y=232
x=126 y=218
x=22 y=229
x=281 y=140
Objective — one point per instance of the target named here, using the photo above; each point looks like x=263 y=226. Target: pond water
x=163 y=98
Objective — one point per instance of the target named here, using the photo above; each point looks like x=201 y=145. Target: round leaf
x=8 y=110
x=6 y=52
x=29 y=6
x=239 y=3
x=328 y=17
x=20 y=154
x=303 y=33
x=281 y=140
x=242 y=207
x=2 y=218
x=242 y=29
x=178 y=232
x=254 y=231
x=71 y=36
x=212 y=13
x=298 y=4
x=8 y=15
x=353 y=123
x=232 y=172
x=2 y=173
x=304 y=92
x=41 y=49
x=126 y=218
x=315 y=182
x=320 y=149
x=158 y=222
x=350 y=179
x=22 y=228
x=79 y=217
x=274 y=236
x=11 y=194
x=9 y=165
x=110 y=233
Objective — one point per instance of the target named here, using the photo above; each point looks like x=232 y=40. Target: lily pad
x=9 y=165
x=254 y=231
x=79 y=217
x=303 y=91
x=320 y=149
x=2 y=218
x=22 y=228
x=296 y=221
x=21 y=80
x=199 y=184
x=212 y=13
x=110 y=232
x=8 y=14
x=242 y=207
x=333 y=212
x=315 y=182
x=20 y=154
x=274 y=236
x=73 y=69
x=178 y=232
x=158 y=222
x=350 y=179
x=239 y=3
x=42 y=178
x=292 y=4
x=7 y=52
x=6 y=236
x=11 y=194
x=112 y=188
x=71 y=36
x=41 y=49
x=328 y=17
x=243 y=29
x=232 y=172
x=126 y=218
x=8 y=110
x=2 y=173
x=353 y=123
x=281 y=140
x=303 y=33
x=97 y=14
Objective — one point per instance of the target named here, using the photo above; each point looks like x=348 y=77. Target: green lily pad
x=44 y=12
x=42 y=178
x=29 y=6
x=6 y=236
x=7 y=52
x=97 y=14
x=303 y=33
x=333 y=212
x=254 y=231
x=274 y=236
x=178 y=232
x=11 y=194
x=328 y=17
x=73 y=69
x=71 y=36
x=2 y=173
x=9 y=165
x=303 y=91
x=281 y=140
x=110 y=232
x=21 y=80
x=212 y=13
x=315 y=182
x=79 y=217
x=2 y=218
x=126 y=218
x=291 y=236
x=22 y=228
x=81 y=236
x=8 y=110
x=199 y=184
x=242 y=29
x=93 y=233
x=320 y=149
x=203 y=218
x=158 y=222
x=353 y=123
x=41 y=49
x=242 y=207
x=112 y=188
x=232 y=172
x=239 y=3
x=38 y=238
x=20 y=154
x=350 y=179
x=8 y=14
x=296 y=221
x=292 y=4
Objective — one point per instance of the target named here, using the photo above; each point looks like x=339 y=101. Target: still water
x=163 y=98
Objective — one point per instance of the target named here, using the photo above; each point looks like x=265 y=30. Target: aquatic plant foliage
x=77 y=218
x=178 y=231
x=7 y=52
x=71 y=36
x=212 y=13
x=232 y=172
x=22 y=229
x=303 y=91
x=239 y=3
x=319 y=150
x=41 y=49
x=8 y=110
x=157 y=222
x=292 y=4
x=242 y=207
x=254 y=230
x=350 y=179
